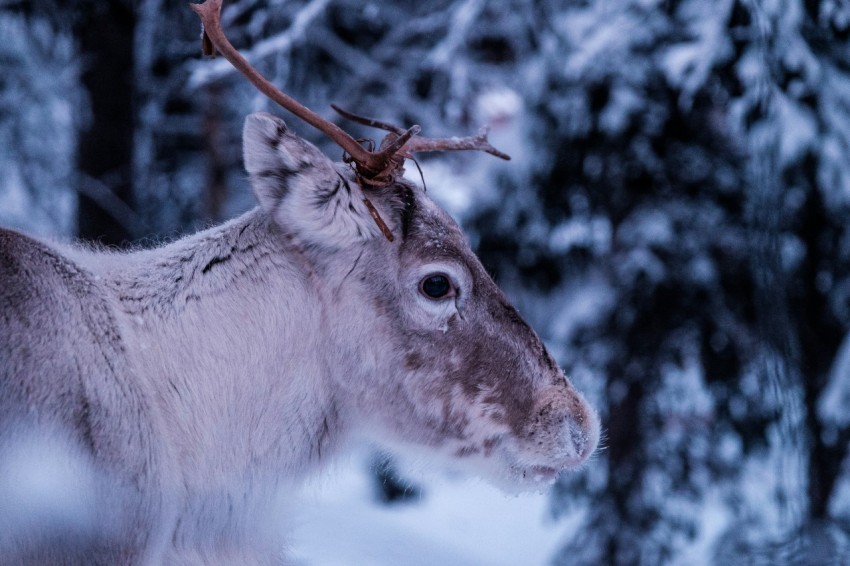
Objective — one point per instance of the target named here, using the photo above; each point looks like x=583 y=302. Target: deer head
x=428 y=349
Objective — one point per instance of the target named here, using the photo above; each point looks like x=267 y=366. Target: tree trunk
x=105 y=39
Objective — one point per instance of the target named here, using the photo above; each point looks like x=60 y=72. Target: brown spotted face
x=472 y=379
x=421 y=345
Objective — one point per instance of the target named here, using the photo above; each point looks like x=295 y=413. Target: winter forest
x=674 y=222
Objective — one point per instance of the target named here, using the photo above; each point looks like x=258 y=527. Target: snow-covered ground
x=458 y=520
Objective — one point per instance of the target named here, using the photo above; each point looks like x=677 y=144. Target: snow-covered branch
x=206 y=72
x=461 y=20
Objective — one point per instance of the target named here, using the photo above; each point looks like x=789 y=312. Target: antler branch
x=374 y=167
x=371 y=122
x=215 y=39
x=420 y=143
x=477 y=143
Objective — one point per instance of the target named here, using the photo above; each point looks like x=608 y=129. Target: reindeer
x=182 y=391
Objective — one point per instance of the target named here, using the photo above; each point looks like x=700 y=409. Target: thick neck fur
x=229 y=321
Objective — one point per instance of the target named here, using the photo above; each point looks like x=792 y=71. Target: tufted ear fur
x=301 y=188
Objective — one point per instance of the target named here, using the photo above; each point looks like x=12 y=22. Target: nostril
x=579 y=439
x=579 y=436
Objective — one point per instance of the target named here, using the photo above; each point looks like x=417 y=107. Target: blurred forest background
x=675 y=221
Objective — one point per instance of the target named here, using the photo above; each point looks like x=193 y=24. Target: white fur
x=201 y=380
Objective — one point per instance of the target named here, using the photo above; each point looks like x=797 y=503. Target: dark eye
x=436 y=286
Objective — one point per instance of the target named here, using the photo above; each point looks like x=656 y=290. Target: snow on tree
x=39 y=95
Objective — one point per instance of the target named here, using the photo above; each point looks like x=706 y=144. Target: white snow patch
x=617 y=114
x=457 y=521
x=685 y=393
x=714 y=519
x=688 y=65
x=582 y=305
x=579 y=232
x=798 y=129
x=45 y=484
x=835 y=398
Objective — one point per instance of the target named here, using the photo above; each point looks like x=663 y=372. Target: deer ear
x=276 y=159
x=301 y=188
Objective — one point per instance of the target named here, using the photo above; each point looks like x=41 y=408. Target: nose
x=567 y=420
x=580 y=434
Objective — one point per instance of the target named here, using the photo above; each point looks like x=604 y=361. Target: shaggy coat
x=178 y=392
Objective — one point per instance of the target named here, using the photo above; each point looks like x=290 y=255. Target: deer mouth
x=541 y=474
x=536 y=475
x=534 y=470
